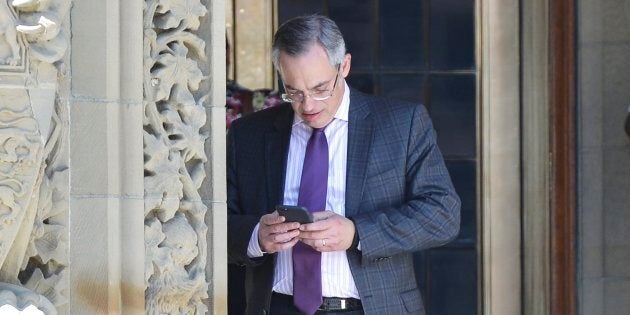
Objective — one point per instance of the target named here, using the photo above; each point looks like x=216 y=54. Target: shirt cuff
x=359 y=245
x=253 y=249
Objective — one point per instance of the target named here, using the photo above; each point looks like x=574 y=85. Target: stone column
x=106 y=154
x=500 y=156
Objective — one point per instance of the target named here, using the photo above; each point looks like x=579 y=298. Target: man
x=368 y=168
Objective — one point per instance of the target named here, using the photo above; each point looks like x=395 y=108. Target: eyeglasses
x=318 y=95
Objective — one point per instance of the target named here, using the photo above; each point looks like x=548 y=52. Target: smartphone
x=295 y=214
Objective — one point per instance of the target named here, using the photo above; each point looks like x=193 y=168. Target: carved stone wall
x=33 y=153
x=105 y=146
x=174 y=137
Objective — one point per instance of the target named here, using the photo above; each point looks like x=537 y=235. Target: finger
x=316 y=226
x=283 y=227
x=314 y=235
x=287 y=245
x=271 y=218
x=275 y=247
x=285 y=237
x=309 y=242
x=322 y=215
x=327 y=245
x=322 y=245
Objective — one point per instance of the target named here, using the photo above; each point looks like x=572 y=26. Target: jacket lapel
x=360 y=131
x=276 y=153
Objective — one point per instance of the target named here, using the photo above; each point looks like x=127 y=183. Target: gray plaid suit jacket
x=398 y=192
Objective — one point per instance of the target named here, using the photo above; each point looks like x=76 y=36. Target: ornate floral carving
x=20 y=163
x=172 y=288
x=33 y=158
x=33 y=204
x=10 y=47
x=175 y=232
x=40 y=22
x=36 y=24
x=22 y=298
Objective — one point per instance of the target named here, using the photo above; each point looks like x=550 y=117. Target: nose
x=308 y=104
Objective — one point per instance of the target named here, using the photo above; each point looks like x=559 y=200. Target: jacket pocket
x=412 y=301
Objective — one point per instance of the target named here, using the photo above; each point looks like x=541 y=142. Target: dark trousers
x=283 y=305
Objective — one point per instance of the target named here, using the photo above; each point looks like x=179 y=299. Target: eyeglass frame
x=287 y=96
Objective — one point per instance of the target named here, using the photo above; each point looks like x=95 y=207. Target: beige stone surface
x=89 y=273
x=95 y=59
x=616 y=95
x=73 y=128
x=592 y=297
x=604 y=156
x=500 y=156
x=617 y=217
x=616 y=298
x=214 y=189
x=591 y=220
x=106 y=158
x=604 y=20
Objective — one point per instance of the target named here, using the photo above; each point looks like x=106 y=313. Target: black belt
x=330 y=303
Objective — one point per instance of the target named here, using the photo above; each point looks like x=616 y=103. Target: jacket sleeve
x=429 y=215
x=240 y=224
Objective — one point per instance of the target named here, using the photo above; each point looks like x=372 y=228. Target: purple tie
x=307 y=272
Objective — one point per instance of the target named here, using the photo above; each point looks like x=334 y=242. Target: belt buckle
x=337 y=304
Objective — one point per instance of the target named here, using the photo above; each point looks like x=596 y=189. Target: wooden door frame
x=562 y=81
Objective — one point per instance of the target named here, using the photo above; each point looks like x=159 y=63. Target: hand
x=275 y=235
x=330 y=232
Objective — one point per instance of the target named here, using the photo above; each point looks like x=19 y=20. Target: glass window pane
x=464 y=176
x=401 y=34
x=361 y=82
x=408 y=87
x=453 y=110
x=452 y=34
x=355 y=18
x=292 y=8
x=453 y=294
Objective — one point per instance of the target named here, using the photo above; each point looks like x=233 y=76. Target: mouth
x=311 y=116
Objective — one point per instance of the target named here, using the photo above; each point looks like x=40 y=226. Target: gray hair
x=296 y=35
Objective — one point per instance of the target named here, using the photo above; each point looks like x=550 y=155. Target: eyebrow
x=319 y=85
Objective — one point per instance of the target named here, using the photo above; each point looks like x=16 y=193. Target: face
x=312 y=72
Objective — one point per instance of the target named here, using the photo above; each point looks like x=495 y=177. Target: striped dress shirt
x=337 y=279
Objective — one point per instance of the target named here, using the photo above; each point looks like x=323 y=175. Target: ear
x=345 y=65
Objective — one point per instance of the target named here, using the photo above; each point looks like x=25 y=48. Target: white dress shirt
x=337 y=279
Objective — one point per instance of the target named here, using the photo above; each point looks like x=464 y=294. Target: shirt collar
x=342 y=111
